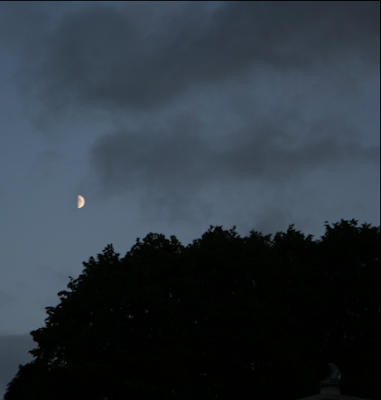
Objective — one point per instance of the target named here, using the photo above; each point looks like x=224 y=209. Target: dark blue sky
x=170 y=117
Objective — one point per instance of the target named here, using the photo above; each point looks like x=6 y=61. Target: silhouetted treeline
x=225 y=316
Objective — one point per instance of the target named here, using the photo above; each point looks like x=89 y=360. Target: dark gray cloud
x=20 y=24
x=206 y=93
x=176 y=160
x=100 y=55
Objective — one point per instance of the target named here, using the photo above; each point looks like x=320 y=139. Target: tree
x=220 y=318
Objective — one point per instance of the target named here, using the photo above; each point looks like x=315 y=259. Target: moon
x=80 y=201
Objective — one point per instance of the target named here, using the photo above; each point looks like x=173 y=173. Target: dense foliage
x=223 y=317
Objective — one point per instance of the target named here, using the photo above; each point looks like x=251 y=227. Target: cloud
x=105 y=56
x=177 y=160
x=206 y=94
x=21 y=24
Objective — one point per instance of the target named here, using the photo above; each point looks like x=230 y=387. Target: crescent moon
x=80 y=201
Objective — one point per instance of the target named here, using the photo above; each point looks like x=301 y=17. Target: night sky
x=169 y=117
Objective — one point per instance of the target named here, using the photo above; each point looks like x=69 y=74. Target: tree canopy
x=223 y=317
